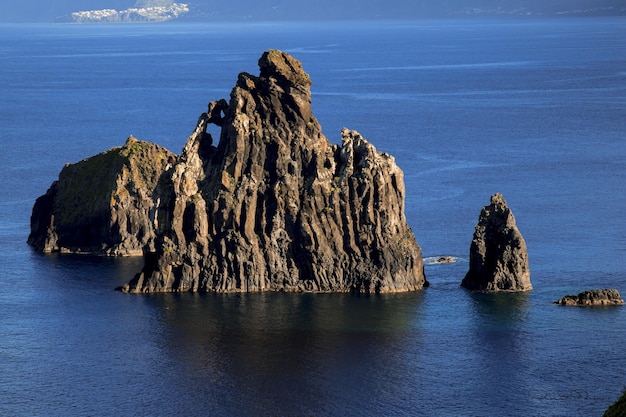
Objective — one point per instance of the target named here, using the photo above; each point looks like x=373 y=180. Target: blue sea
x=533 y=109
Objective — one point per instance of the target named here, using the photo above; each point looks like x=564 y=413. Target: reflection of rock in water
x=260 y=343
x=500 y=339
x=502 y=307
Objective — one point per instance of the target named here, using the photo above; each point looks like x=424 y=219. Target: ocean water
x=533 y=109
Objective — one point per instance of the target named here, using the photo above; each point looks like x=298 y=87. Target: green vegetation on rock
x=102 y=204
x=618 y=409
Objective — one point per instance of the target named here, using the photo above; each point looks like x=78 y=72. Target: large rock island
x=274 y=206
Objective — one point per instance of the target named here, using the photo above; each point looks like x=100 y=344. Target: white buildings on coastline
x=135 y=14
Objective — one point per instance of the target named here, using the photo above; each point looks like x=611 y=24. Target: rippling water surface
x=534 y=109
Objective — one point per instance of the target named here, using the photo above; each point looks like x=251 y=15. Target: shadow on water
x=502 y=309
x=263 y=353
x=85 y=271
x=501 y=347
x=499 y=326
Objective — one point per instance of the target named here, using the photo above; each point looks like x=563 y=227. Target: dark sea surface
x=533 y=109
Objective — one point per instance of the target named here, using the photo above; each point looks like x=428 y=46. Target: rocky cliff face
x=275 y=206
x=102 y=205
x=498 y=255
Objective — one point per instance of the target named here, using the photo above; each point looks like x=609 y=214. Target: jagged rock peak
x=283 y=67
x=498 y=254
x=275 y=206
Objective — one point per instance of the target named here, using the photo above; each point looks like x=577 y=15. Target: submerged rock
x=498 y=256
x=445 y=260
x=437 y=260
x=274 y=206
x=600 y=297
x=102 y=205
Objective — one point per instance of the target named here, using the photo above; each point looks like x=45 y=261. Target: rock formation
x=498 y=257
x=601 y=297
x=102 y=205
x=274 y=206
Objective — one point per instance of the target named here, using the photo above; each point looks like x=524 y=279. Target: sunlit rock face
x=102 y=205
x=498 y=255
x=274 y=206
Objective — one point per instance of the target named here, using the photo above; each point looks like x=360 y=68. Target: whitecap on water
x=442 y=259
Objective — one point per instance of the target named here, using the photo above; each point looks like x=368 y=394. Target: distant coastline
x=155 y=11
x=173 y=11
x=130 y=15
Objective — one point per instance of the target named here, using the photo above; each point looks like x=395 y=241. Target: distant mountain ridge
x=398 y=9
x=264 y=10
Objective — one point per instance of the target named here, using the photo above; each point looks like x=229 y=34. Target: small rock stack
x=498 y=256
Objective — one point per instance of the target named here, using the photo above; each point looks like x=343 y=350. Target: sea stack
x=273 y=206
x=498 y=258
